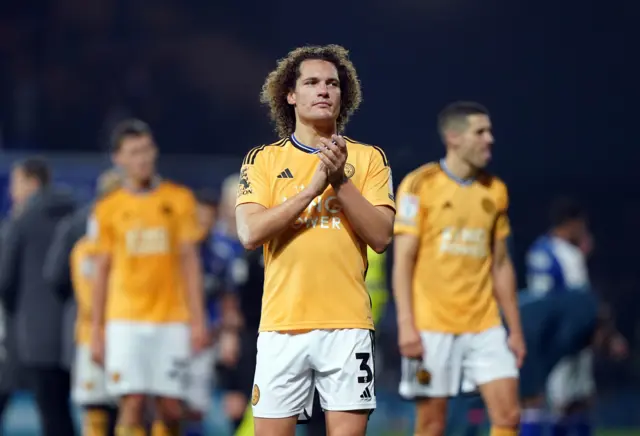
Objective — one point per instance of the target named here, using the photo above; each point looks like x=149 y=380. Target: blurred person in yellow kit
x=89 y=390
x=315 y=200
x=451 y=275
x=148 y=318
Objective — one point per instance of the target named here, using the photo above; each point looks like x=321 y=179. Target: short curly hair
x=283 y=79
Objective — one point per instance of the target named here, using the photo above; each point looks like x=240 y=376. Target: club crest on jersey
x=166 y=210
x=244 y=185
x=349 y=170
x=255 y=395
x=423 y=376
x=488 y=206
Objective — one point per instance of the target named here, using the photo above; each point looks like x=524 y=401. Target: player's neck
x=140 y=185
x=310 y=135
x=459 y=168
x=561 y=233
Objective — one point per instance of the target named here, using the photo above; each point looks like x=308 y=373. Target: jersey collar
x=458 y=180
x=302 y=147
x=155 y=182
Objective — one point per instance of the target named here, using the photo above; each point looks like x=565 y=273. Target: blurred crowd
x=44 y=310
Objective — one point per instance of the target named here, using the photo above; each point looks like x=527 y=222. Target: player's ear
x=451 y=136
x=291 y=98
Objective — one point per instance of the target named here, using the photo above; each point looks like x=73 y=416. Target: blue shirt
x=223 y=258
x=555 y=265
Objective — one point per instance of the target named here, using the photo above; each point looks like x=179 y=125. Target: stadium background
x=554 y=78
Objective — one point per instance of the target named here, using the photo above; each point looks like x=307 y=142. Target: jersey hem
x=148 y=321
x=459 y=331
x=315 y=326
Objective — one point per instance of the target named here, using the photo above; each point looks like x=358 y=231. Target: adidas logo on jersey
x=366 y=394
x=286 y=174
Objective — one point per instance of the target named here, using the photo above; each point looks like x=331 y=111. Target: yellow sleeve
x=502 y=228
x=410 y=212
x=100 y=230
x=253 y=186
x=190 y=230
x=378 y=185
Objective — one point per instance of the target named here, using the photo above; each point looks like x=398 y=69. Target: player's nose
x=322 y=89
x=489 y=140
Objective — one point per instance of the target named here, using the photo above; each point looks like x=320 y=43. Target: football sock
x=161 y=428
x=503 y=431
x=532 y=422
x=130 y=430
x=95 y=423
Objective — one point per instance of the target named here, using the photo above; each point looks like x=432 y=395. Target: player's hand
x=199 y=336
x=409 y=342
x=97 y=347
x=333 y=154
x=319 y=180
x=229 y=343
x=618 y=347
x=517 y=347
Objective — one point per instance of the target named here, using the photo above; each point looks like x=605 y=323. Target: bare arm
x=373 y=224
x=258 y=224
x=505 y=286
x=99 y=300
x=405 y=251
x=192 y=271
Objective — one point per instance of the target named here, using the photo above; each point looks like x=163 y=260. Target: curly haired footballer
x=281 y=81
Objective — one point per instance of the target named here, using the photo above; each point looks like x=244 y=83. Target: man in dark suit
x=99 y=415
x=10 y=374
x=26 y=295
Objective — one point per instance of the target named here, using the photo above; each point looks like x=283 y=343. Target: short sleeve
x=190 y=230
x=502 y=228
x=410 y=213
x=253 y=186
x=100 y=230
x=378 y=185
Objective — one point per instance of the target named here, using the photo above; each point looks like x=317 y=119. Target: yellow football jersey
x=315 y=270
x=82 y=262
x=456 y=222
x=143 y=233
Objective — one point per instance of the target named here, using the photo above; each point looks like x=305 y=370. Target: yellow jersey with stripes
x=315 y=270
x=456 y=222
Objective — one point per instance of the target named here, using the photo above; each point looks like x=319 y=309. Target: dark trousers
x=51 y=388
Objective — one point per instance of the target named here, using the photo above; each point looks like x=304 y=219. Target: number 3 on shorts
x=365 y=367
